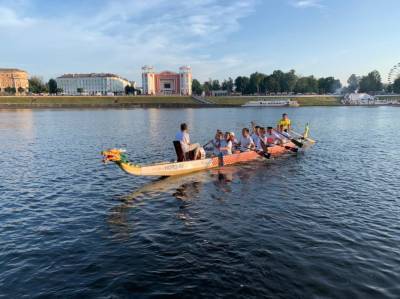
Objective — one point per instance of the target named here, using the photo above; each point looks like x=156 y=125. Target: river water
x=322 y=224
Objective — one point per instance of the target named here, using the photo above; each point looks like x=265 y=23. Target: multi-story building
x=91 y=84
x=167 y=82
x=14 y=78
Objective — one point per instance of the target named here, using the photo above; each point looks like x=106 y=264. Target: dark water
x=323 y=224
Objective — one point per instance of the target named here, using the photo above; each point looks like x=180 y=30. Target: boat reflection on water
x=217 y=183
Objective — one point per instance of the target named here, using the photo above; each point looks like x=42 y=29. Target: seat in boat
x=180 y=155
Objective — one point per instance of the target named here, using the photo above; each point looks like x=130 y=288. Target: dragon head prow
x=114 y=155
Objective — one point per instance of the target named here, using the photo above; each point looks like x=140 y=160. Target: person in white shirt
x=246 y=142
x=255 y=135
x=216 y=142
x=262 y=140
x=184 y=138
x=226 y=144
x=234 y=139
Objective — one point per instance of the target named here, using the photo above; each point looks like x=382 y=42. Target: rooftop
x=11 y=70
x=92 y=75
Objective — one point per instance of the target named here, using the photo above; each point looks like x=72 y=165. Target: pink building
x=167 y=83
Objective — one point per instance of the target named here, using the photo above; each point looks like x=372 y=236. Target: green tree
x=79 y=90
x=306 y=85
x=353 y=83
x=36 y=85
x=270 y=84
x=207 y=87
x=288 y=82
x=196 y=87
x=371 y=83
x=229 y=85
x=21 y=90
x=129 y=90
x=59 y=90
x=396 y=85
x=242 y=84
x=279 y=76
x=52 y=86
x=215 y=85
x=10 y=90
x=255 y=83
x=328 y=85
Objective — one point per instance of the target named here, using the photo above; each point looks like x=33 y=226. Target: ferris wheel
x=394 y=73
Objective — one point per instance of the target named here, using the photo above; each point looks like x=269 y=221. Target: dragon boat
x=119 y=157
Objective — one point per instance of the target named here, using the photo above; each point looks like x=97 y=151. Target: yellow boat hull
x=179 y=168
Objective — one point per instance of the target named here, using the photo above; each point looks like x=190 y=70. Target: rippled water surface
x=321 y=224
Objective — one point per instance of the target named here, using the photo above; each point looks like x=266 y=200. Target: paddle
x=264 y=147
x=305 y=138
x=207 y=143
x=296 y=142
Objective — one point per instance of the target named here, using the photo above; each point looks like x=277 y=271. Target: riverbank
x=18 y=102
x=316 y=100
x=96 y=102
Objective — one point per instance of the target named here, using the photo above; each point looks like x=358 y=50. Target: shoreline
x=142 y=102
x=112 y=102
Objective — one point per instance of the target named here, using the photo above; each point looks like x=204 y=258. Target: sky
x=217 y=38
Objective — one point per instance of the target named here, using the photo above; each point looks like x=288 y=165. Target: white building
x=358 y=99
x=91 y=84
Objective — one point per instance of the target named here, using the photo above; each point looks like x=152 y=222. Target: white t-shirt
x=245 y=143
x=273 y=136
x=227 y=146
x=184 y=138
x=256 y=141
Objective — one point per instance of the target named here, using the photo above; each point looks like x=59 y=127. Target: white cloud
x=8 y=18
x=123 y=35
x=307 y=3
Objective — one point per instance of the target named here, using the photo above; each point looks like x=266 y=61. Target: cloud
x=8 y=18
x=121 y=35
x=307 y=3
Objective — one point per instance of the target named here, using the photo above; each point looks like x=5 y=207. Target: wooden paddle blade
x=298 y=143
x=293 y=149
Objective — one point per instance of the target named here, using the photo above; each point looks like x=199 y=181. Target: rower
x=262 y=140
x=219 y=136
x=226 y=144
x=272 y=137
x=284 y=123
x=256 y=133
x=234 y=139
x=183 y=137
x=246 y=143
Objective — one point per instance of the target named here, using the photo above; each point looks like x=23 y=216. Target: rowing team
x=224 y=144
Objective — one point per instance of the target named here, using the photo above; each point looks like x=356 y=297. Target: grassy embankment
x=89 y=101
x=303 y=101
x=389 y=97
x=146 y=101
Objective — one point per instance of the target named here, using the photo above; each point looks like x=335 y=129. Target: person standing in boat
x=284 y=123
x=246 y=143
x=183 y=137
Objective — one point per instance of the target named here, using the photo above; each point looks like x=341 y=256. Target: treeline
x=37 y=86
x=277 y=82
x=371 y=83
x=290 y=82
